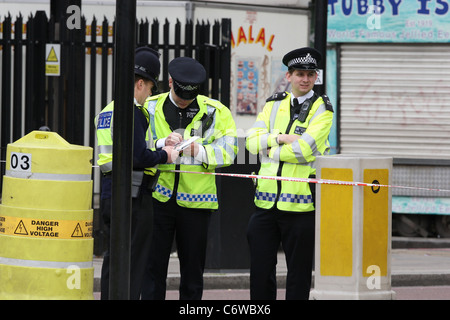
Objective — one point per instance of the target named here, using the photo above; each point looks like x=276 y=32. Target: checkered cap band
x=308 y=59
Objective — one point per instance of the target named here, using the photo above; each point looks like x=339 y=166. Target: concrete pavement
x=401 y=293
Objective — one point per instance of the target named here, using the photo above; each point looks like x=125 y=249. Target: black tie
x=295 y=110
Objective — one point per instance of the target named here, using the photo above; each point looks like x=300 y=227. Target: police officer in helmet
x=146 y=69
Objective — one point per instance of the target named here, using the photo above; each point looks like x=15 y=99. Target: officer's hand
x=192 y=150
x=172 y=154
x=287 y=138
x=173 y=139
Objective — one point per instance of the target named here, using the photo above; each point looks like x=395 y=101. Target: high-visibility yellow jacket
x=219 y=140
x=144 y=160
x=288 y=160
x=103 y=125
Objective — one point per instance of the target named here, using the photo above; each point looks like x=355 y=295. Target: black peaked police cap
x=187 y=75
x=303 y=59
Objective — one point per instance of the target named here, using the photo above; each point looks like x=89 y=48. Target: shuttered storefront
x=395 y=100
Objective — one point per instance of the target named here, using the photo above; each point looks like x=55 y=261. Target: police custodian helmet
x=303 y=59
x=187 y=76
x=146 y=64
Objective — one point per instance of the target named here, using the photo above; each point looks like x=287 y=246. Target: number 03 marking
x=20 y=161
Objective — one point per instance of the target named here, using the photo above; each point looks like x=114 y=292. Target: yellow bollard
x=46 y=220
x=353 y=229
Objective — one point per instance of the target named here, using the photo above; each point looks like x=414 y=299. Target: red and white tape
x=309 y=180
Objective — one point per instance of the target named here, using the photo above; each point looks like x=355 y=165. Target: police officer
x=289 y=133
x=184 y=201
x=146 y=71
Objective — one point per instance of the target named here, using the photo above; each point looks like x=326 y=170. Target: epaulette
x=277 y=96
x=213 y=102
x=328 y=105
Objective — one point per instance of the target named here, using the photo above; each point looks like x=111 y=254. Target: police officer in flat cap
x=146 y=72
x=289 y=133
x=184 y=201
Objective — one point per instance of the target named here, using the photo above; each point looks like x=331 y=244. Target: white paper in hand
x=186 y=143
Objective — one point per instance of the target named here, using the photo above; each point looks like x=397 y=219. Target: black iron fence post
x=320 y=39
x=17 y=94
x=6 y=90
x=6 y=84
x=40 y=32
x=225 y=59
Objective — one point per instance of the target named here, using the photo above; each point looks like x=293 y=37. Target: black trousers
x=141 y=236
x=190 y=228
x=295 y=231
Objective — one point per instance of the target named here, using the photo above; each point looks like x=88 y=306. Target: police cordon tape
x=309 y=180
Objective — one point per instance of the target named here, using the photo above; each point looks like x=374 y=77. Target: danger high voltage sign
x=46 y=228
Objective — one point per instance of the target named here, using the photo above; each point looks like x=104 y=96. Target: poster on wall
x=247 y=85
x=279 y=81
x=389 y=21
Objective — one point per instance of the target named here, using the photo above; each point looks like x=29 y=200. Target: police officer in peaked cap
x=285 y=213
x=184 y=201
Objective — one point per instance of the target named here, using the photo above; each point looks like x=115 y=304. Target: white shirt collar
x=171 y=99
x=302 y=99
